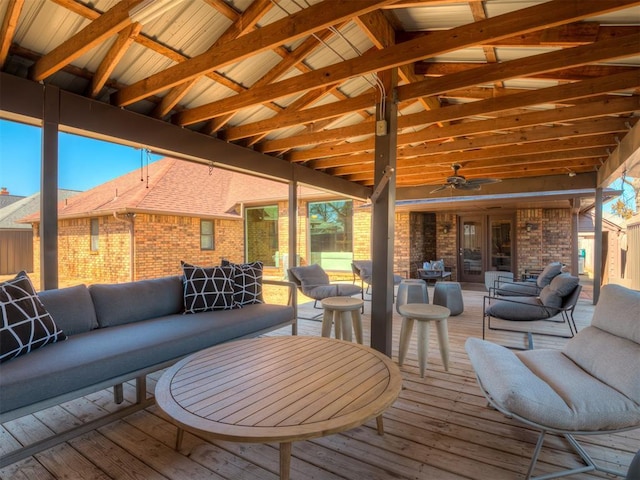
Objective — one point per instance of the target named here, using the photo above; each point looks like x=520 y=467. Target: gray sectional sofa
x=120 y=332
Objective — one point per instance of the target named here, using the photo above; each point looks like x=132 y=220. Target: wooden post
x=49 y=189
x=383 y=212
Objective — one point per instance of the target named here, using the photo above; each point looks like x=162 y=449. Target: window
x=207 y=241
x=95 y=234
x=261 y=232
x=331 y=234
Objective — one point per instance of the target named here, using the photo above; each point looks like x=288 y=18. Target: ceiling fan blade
x=440 y=188
x=467 y=186
x=483 y=181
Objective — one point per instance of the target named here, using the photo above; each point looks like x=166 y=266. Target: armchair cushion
x=519 y=309
x=564 y=284
x=546 y=387
x=548 y=274
x=310 y=275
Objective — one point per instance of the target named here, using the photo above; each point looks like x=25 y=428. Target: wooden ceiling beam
x=552 y=13
x=289 y=29
x=480 y=167
x=524 y=67
x=595 y=109
x=564 y=36
x=244 y=23
x=438 y=69
x=561 y=93
x=298 y=117
x=537 y=136
x=117 y=50
x=96 y=32
x=8 y=28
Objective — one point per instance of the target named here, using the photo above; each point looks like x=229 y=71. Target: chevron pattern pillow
x=207 y=288
x=26 y=324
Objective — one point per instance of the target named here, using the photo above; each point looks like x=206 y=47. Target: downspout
x=129 y=218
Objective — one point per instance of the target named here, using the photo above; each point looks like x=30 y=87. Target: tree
x=623 y=206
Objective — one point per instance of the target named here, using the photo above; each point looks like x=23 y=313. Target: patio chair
x=313 y=282
x=556 y=303
x=590 y=387
x=506 y=287
x=363 y=270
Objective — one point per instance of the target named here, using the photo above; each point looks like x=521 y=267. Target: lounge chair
x=555 y=303
x=590 y=387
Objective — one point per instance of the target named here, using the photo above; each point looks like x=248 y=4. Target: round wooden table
x=278 y=389
x=424 y=313
x=344 y=312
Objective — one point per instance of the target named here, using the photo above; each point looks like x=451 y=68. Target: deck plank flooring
x=439 y=428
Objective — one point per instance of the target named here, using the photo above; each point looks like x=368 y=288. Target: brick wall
x=160 y=242
x=548 y=241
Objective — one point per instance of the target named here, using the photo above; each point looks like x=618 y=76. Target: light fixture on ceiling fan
x=459 y=182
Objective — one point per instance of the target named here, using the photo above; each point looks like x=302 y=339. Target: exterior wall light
x=528 y=227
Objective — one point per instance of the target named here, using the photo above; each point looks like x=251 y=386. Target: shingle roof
x=176 y=187
x=13 y=215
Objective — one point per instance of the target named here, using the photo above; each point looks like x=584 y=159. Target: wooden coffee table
x=278 y=389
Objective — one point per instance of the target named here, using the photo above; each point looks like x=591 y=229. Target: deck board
x=439 y=428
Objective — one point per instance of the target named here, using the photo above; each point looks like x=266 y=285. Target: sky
x=83 y=162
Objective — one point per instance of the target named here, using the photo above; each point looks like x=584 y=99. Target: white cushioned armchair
x=592 y=386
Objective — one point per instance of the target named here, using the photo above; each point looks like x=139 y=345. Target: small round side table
x=424 y=313
x=342 y=312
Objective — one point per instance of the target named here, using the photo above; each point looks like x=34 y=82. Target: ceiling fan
x=459 y=182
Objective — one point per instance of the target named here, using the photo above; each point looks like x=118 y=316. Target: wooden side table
x=424 y=314
x=343 y=312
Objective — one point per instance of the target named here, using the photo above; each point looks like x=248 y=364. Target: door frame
x=483 y=221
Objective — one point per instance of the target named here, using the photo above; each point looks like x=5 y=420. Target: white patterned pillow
x=207 y=288
x=26 y=324
x=247 y=283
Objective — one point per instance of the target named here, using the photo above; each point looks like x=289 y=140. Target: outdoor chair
x=363 y=270
x=313 y=282
x=506 y=287
x=556 y=303
x=591 y=386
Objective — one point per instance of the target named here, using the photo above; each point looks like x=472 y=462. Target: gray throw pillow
x=549 y=272
x=564 y=284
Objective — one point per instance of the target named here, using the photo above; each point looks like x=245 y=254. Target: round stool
x=343 y=312
x=449 y=294
x=424 y=314
x=411 y=291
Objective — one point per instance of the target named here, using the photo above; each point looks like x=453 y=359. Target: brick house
x=142 y=224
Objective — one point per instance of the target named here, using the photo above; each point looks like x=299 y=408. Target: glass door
x=501 y=244
x=472 y=249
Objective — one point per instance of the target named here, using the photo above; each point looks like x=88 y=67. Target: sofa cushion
x=106 y=353
x=548 y=273
x=520 y=309
x=26 y=324
x=247 y=282
x=207 y=288
x=128 y=302
x=71 y=308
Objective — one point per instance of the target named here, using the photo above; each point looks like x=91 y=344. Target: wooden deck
x=440 y=428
